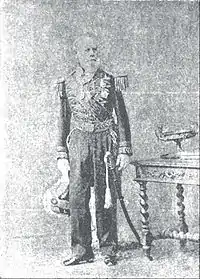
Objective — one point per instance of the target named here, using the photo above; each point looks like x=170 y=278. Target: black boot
x=88 y=257
x=110 y=260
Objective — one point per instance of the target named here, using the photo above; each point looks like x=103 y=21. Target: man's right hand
x=63 y=166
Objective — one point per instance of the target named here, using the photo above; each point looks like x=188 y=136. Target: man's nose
x=91 y=52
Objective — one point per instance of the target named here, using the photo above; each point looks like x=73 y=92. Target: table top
x=173 y=163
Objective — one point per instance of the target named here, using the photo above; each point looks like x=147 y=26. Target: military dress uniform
x=88 y=128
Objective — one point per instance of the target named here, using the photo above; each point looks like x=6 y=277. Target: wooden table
x=176 y=171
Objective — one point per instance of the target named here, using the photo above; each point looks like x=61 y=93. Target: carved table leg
x=183 y=226
x=146 y=234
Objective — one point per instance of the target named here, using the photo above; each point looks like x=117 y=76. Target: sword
x=112 y=166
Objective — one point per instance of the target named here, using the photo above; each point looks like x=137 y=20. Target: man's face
x=87 y=53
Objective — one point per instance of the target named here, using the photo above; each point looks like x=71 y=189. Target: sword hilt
x=109 y=160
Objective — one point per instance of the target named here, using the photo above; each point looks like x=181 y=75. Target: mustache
x=92 y=57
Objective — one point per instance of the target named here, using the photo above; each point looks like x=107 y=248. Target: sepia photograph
x=99 y=119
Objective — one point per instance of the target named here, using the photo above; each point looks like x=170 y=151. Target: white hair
x=82 y=38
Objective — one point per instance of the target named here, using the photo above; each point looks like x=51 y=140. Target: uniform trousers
x=88 y=169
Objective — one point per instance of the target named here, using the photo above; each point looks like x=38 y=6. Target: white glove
x=63 y=166
x=122 y=161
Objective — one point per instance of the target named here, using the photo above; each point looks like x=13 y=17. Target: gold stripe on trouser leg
x=108 y=199
x=95 y=240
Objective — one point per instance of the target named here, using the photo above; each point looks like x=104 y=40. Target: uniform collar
x=84 y=77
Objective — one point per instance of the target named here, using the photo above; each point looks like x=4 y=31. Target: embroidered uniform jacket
x=84 y=105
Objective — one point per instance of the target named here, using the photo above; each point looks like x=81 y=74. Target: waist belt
x=92 y=126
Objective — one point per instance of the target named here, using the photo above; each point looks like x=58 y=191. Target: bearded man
x=93 y=121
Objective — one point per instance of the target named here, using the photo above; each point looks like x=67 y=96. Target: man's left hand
x=122 y=161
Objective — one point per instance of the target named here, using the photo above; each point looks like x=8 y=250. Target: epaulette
x=62 y=84
x=61 y=89
x=121 y=82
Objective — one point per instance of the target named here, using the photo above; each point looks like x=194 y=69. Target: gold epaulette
x=121 y=82
x=62 y=82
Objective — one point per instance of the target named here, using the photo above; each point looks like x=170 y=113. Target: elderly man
x=93 y=121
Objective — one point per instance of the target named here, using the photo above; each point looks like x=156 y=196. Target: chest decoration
x=92 y=94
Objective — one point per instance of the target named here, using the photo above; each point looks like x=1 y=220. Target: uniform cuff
x=125 y=148
x=62 y=153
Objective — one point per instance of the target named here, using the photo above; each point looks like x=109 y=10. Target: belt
x=95 y=127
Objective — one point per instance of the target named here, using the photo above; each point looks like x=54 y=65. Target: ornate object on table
x=178 y=136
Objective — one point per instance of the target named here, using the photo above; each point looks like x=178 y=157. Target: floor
x=41 y=257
